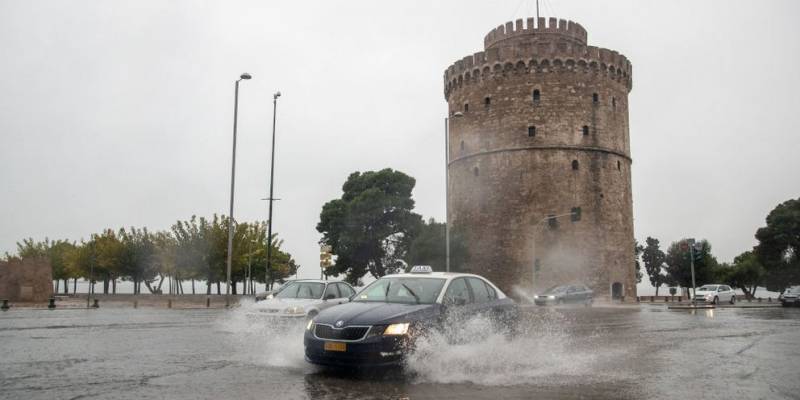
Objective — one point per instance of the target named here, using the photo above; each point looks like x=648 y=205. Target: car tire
x=733 y=300
x=715 y=301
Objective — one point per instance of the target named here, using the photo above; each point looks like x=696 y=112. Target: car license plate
x=335 y=346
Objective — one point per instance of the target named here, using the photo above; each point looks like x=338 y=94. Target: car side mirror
x=330 y=296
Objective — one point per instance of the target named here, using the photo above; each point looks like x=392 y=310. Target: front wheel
x=715 y=301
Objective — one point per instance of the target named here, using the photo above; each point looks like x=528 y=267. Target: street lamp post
x=233 y=181
x=268 y=274
x=457 y=114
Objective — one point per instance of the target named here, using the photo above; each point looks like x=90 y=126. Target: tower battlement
x=542 y=28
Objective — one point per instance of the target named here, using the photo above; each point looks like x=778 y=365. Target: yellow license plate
x=335 y=346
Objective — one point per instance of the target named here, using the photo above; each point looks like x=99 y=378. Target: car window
x=345 y=290
x=490 y=289
x=479 y=290
x=301 y=290
x=457 y=292
x=333 y=289
x=402 y=290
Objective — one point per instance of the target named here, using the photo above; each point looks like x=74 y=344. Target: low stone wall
x=26 y=280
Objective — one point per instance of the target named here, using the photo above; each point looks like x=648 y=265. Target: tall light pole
x=268 y=274
x=457 y=114
x=233 y=181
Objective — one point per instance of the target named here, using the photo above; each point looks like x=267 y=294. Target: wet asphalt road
x=602 y=352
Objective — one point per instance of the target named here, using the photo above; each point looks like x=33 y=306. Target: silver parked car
x=306 y=298
x=791 y=296
x=715 y=294
x=579 y=294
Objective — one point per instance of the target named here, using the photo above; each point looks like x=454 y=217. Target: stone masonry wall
x=515 y=159
x=27 y=280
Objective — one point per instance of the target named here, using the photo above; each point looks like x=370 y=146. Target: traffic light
x=575 y=215
x=698 y=251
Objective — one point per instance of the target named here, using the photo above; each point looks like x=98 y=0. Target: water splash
x=541 y=352
x=264 y=340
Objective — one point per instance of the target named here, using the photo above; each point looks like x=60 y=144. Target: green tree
x=370 y=228
x=428 y=247
x=141 y=264
x=653 y=259
x=778 y=248
x=679 y=264
x=746 y=273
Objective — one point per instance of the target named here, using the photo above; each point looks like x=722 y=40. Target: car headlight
x=310 y=324
x=295 y=310
x=551 y=297
x=396 y=329
x=535 y=296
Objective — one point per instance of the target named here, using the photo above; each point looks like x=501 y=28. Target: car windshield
x=301 y=290
x=402 y=290
x=707 y=288
x=556 y=290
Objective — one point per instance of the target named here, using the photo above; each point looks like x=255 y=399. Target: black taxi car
x=380 y=322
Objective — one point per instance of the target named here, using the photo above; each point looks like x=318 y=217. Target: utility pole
x=268 y=272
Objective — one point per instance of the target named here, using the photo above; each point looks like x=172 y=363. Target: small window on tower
x=574 y=164
x=466 y=107
x=475 y=171
x=531 y=131
x=595 y=98
x=619 y=166
x=614 y=103
x=586 y=130
x=462 y=146
x=487 y=102
x=536 y=96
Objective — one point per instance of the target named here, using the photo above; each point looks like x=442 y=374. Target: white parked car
x=791 y=296
x=305 y=298
x=715 y=294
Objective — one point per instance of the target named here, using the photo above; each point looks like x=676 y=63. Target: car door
x=572 y=295
x=457 y=299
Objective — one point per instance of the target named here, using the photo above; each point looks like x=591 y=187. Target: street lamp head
x=276 y=95
x=246 y=76
x=458 y=114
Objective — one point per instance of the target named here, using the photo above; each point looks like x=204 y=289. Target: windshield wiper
x=411 y=291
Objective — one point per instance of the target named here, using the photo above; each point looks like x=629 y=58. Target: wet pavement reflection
x=598 y=352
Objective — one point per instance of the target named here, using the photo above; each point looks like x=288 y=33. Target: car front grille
x=349 y=333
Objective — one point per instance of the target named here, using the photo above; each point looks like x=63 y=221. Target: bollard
x=136 y=304
x=96 y=304
x=51 y=303
x=4 y=307
x=759 y=299
x=208 y=301
x=665 y=299
x=227 y=302
x=637 y=299
x=169 y=303
x=769 y=299
x=652 y=299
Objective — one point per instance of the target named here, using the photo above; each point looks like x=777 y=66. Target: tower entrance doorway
x=616 y=291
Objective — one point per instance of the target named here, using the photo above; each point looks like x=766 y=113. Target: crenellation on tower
x=543 y=129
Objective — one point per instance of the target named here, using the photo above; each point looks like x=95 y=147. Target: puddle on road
x=542 y=352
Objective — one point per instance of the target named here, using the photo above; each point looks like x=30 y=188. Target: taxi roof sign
x=421 y=269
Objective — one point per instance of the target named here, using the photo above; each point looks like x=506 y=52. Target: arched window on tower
x=586 y=130
x=536 y=96
x=614 y=103
x=595 y=98
x=462 y=146
x=466 y=107
x=619 y=166
x=475 y=171
x=575 y=165
x=487 y=102
x=531 y=131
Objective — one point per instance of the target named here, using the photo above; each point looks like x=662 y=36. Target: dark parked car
x=379 y=325
x=791 y=296
x=565 y=294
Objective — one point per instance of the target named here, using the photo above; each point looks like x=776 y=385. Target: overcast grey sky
x=119 y=113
